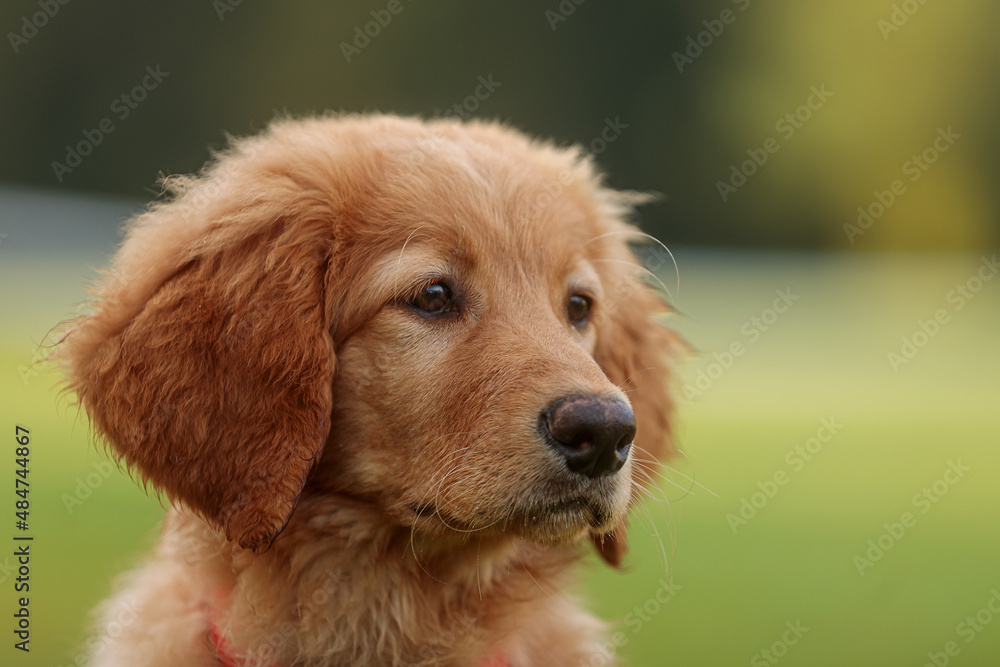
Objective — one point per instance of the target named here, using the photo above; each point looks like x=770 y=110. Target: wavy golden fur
x=355 y=481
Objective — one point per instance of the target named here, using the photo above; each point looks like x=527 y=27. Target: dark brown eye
x=434 y=298
x=578 y=309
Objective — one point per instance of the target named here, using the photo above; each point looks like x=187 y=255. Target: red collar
x=223 y=647
x=226 y=653
x=497 y=660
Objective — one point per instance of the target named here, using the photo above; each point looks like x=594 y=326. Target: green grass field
x=731 y=595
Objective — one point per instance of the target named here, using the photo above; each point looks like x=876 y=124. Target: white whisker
x=643 y=268
x=655 y=240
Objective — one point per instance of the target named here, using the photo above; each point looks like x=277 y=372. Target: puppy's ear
x=634 y=349
x=214 y=380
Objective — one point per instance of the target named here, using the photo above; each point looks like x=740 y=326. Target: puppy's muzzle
x=592 y=434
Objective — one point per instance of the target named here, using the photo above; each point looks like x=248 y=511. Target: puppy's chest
x=331 y=617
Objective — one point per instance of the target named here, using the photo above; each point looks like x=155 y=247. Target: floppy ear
x=634 y=351
x=216 y=385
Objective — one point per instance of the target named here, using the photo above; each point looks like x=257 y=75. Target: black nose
x=593 y=434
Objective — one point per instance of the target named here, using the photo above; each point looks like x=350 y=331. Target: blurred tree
x=695 y=90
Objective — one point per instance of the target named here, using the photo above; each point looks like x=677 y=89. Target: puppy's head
x=440 y=318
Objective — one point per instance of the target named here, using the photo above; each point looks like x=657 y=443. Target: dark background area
x=563 y=69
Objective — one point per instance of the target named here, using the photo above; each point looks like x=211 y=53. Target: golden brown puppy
x=389 y=373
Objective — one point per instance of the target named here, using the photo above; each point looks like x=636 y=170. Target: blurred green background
x=766 y=126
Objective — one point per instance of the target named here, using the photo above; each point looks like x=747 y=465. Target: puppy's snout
x=591 y=433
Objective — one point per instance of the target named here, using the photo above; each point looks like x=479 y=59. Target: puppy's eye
x=578 y=309
x=434 y=298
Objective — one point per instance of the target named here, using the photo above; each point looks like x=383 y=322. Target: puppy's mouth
x=595 y=513
x=552 y=520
